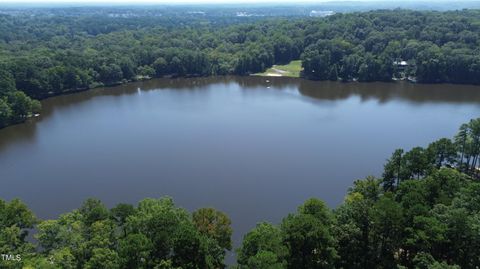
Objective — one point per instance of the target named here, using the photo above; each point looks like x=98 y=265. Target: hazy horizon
x=163 y=2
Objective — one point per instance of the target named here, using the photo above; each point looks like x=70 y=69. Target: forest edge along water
x=250 y=146
x=345 y=175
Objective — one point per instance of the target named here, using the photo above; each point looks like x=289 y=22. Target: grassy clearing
x=291 y=69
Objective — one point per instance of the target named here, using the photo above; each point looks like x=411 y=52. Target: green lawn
x=291 y=69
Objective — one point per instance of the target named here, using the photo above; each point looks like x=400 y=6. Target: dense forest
x=43 y=54
x=424 y=212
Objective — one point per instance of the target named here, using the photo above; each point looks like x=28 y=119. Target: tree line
x=371 y=46
x=44 y=55
x=423 y=213
x=15 y=105
x=462 y=152
x=155 y=234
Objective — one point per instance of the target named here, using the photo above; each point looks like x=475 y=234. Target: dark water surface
x=252 y=148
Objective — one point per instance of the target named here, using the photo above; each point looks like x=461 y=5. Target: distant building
x=243 y=14
x=401 y=65
x=402 y=71
x=196 y=12
x=321 y=13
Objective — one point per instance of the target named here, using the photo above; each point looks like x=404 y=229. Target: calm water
x=252 y=148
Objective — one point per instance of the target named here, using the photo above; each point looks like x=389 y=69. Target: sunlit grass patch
x=291 y=69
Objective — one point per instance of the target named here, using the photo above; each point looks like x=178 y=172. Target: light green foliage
x=154 y=234
x=264 y=260
x=263 y=248
x=67 y=231
x=103 y=258
x=16 y=106
x=308 y=238
x=146 y=71
x=102 y=234
x=63 y=258
x=158 y=220
x=351 y=231
x=15 y=220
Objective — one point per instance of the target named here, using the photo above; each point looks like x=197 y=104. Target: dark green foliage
x=21 y=105
x=308 y=238
x=156 y=234
x=431 y=222
x=303 y=240
x=15 y=106
x=442 y=152
x=93 y=210
x=463 y=153
x=365 y=46
x=7 y=82
x=134 y=250
x=424 y=213
x=43 y=56
x=121 y=212
x=393 y=172
x=427 y=222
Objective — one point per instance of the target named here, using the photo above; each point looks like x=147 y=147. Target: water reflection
x=251 y=146
x=325 y=90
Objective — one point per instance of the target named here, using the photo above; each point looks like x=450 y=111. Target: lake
x=253 y=147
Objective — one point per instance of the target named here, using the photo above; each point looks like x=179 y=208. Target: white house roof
x=402 y=63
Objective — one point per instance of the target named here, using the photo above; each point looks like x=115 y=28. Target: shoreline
x=70 y=92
